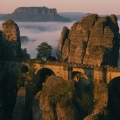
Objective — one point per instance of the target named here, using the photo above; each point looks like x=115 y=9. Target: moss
x=86 y=101
x=65 y=101
x=54 y=98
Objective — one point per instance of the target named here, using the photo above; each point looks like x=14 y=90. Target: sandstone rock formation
x=35 y=14
x=10 y=40
x=10 y=48
x=56 y=100
x=1 y=106
x=92 y=40
x=36 y=111
x=100 y=113
x=19 y=110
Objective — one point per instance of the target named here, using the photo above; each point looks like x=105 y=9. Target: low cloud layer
x=40 y=32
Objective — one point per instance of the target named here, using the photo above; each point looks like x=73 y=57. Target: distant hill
x=73 y=16
x=76 y=16
x=1 y=15
x=118 y=17
x=35 y=14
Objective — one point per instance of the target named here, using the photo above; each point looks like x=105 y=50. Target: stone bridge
x=101 y=76
x=67 y=71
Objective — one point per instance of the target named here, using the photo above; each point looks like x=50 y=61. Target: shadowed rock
x=19 y=109
x=56 y=100
x=10 y=40
x=92 y=40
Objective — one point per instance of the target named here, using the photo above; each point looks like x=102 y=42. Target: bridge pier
x=70 y=73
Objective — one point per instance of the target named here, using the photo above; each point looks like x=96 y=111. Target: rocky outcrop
x=36 y=111
x=19 y=109
x=35 y=14
x=92 y=40
x=56 y=100
x=98 y=114
x=1 y=106
x=63 y=37
x=10 y=40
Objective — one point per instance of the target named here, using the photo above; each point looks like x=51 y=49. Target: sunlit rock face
x=56 y=102
x=92 y=40
x=10 y=39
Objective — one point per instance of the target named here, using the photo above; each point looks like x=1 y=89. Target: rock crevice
x=92 y=40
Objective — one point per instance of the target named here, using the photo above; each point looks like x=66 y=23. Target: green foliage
x=24 y=54
x=31 y=88
x=65 y=101
x=44 y=50
x=86 y=101
x=66 y=89
x=51 y=58
x=54 y=98
x=63 y=94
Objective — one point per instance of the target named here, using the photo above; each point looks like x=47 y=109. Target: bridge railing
x=65 y=64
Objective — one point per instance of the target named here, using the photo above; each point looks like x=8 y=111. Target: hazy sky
x=87 y=6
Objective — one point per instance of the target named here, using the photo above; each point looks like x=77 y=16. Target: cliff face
x=10 y=40
x=92 y=40
x=56 y=100
x=10 y=48
x=35 y=14
x=36 y=10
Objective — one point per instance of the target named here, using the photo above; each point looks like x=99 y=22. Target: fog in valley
x=40 y=32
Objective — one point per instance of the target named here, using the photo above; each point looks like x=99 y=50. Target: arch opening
x=81 y=81
x=77 y=76
x=41 y=77
x=114 y=97
x=24 y=69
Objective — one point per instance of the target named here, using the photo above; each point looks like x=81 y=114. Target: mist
x=39 y=32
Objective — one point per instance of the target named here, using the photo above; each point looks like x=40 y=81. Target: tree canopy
x=44 y=50
x=24 y=54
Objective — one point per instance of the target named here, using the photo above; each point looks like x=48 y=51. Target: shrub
x=86 y=101
x=54 y=98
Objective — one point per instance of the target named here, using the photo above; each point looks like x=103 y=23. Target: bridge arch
x=24 y=69
x=114 y=96
x=81 y=81
x=76 y=76
x=41 y=76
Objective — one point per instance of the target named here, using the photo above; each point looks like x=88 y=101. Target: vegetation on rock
x=24 y=54
x=44 y=50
